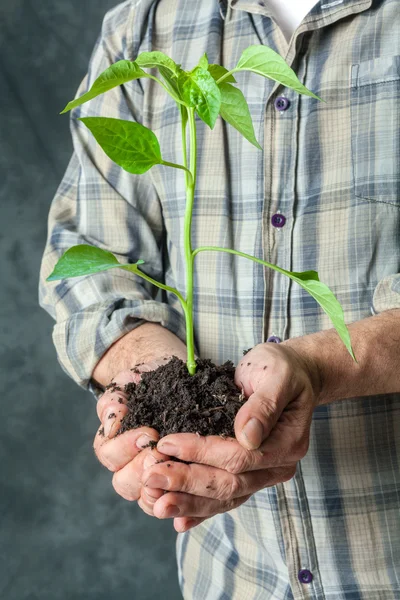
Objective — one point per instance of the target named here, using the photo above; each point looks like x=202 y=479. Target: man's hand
x=272 y=431
x=124 y=455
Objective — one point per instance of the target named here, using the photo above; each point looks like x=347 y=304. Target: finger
x=182 y=524
x=209 y=482
x=127 y=482
x=115 y=392
x=179 y=504
x=223 y=453
x=117 y=452
x=145 y=508
x=256 y=419
x=283 y=433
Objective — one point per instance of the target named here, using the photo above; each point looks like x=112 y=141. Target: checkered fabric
x=324 y=194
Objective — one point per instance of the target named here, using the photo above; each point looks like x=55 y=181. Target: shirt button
x=281 y=103
x=274 y=339
x=278 y=220
x=305 y=576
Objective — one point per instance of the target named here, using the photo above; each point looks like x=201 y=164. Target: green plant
x=208 y=91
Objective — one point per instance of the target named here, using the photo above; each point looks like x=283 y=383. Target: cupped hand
x=272 y=434
x=126 y=455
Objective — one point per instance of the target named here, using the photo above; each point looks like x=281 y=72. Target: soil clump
x=172 y=401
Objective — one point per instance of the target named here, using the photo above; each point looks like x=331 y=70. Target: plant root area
x=172 y=401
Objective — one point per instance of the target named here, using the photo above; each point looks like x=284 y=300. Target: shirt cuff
x=386 y=294
x=84 y=338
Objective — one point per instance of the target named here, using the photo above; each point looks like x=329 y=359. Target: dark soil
x=172 y=401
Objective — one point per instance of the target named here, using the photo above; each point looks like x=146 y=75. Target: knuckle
x=268 y=407
x=238 y=462
x=104 y=460
x=300 y=449
x=231 y=504
x=226 y=489
x=185 y=480
x=108 y=464
x=128 y=492
x=235 y=487
x=200 y=450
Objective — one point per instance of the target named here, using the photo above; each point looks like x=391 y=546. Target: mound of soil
x=172 y=401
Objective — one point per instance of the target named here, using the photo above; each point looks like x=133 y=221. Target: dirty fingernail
x=110 y=419
x=143 y=441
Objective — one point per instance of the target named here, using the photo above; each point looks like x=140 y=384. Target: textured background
x=64 y=533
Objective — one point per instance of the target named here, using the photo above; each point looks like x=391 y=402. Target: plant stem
x=167 y=288
x=167 y=89
x=249 y=256
x=175 y=166
x=221 y=79
x=190 y=191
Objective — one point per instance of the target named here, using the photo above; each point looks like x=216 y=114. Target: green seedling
x=209 y=91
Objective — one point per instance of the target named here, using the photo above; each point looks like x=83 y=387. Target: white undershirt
x=289 y=13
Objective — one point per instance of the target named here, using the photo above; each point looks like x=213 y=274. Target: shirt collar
x=324 y=12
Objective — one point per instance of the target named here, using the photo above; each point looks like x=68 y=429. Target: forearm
x=148 y=342
x=376 y=345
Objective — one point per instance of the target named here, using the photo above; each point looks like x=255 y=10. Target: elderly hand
x=124 y=455
x=272 y=434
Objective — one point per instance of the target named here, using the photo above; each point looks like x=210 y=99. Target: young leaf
x=235 y=110
x=199 y=90
x=86 y=260
x=119 y=73
x=266 y=62
x=216 y=71
x=132 y=146
x=157 y=59
x=203 y=62
x=168 y=69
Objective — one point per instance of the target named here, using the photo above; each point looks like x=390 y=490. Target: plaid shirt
x=331 y=172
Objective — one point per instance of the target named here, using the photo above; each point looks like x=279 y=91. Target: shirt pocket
x=375 y=129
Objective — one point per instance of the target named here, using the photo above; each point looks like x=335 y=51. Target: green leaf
x=199 y=90
x=132 y=146
x=119 y=73
x=266 y=62
x=203 y=62
x=156 y=60
x=86 y=260
x=171 y=80
x=168 y=69
x=216 y=71
x=235 y=110
x=309 y=280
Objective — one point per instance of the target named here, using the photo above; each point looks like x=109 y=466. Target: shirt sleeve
x=387 y=294
x=98 y=203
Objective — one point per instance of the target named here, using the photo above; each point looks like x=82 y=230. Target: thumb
x=255 y=420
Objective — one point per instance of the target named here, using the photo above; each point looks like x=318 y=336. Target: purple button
x=281 y=103
x=305 y=576
x=278 y=220
x=274 y=339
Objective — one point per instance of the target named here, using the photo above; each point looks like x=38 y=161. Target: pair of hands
x=272 y=434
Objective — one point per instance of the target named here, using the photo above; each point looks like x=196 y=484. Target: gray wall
x=64 y=533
